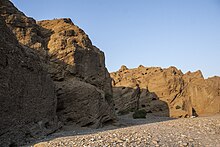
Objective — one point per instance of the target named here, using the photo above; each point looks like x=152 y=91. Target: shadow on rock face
x=27 y=96
x=125 y=102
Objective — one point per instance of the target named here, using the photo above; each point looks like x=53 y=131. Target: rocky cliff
x=67 y=54
x=166 y=91
x=27 y=98
x=51 y=49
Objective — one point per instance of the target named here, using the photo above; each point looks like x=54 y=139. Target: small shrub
x=123 y=112
x=132 y=109
x=178 y=107
x=139 y=114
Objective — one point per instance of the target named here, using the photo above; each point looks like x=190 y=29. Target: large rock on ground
x=27 y=97
x=67 y=54
x=184 y=94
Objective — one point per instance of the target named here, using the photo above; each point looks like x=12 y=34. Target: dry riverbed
x=153 y=131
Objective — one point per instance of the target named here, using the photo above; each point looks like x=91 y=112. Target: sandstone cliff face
x=68 y=55
x=27 y=97
x=214 y=84
x=204 y=93
x=184 y=94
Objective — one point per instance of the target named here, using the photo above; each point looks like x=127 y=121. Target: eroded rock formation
x=71 y=60
x=170 y=91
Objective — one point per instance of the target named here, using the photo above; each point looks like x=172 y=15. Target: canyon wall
x=166 y=92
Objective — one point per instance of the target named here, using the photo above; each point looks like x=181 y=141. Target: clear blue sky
x=181 y=33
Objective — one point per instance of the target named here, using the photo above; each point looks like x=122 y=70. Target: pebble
x=182 y=135
x=191 y=140
x=185 y=144
x=179 y=142
x=155 y=142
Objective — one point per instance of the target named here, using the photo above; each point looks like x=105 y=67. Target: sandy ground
x=152 y=131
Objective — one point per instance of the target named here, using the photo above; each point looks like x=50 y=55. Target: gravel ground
x=153 y=131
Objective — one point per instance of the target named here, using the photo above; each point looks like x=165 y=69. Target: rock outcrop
x=166 y=91
x=72 y=61
x=82 y=103
x=27 y=98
